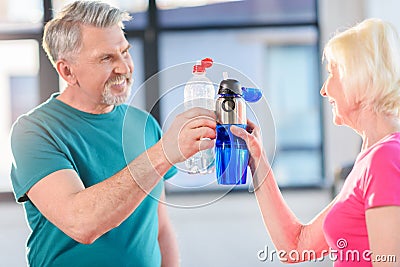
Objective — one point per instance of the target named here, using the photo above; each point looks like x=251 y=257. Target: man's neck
x=83 y=103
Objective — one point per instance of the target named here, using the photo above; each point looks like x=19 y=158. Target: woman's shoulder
x=387 y=147
x=384 y=153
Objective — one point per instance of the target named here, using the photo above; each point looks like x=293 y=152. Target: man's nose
x=124 y=66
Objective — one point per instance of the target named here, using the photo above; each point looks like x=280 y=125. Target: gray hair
x=62 y=34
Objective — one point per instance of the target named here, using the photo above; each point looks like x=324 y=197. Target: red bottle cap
x=198 y=69
x=205 y=63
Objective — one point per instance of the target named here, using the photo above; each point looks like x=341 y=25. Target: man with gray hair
x=89 y=169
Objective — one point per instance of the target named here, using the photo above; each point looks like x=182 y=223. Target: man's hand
x=190 y=132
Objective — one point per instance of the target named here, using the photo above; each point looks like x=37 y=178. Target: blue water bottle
x=231 y=154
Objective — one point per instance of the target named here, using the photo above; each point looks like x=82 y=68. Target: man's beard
x=109 y=98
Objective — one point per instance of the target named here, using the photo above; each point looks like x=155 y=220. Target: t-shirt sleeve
x=151 y=121
x=382 y=183
x=35 y=155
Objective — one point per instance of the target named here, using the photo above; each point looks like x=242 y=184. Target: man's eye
x=105 y=58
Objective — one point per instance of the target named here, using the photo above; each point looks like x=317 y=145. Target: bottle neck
x=199 y=73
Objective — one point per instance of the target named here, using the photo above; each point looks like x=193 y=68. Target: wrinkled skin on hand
x=190 y=132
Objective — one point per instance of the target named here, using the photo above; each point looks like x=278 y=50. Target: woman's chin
x=337 y=120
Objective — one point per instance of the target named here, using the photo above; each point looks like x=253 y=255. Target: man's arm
x=166 y=237
x=85 y=214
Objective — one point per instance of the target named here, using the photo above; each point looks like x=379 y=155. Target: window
x=21 y=15
x=178 y=13
x=138 y=95
x=19 y=88
x=293 y=93
x=269 y=44
x=283 y=63
x=137 y=9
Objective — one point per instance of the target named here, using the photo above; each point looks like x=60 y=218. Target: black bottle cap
x=230 y=87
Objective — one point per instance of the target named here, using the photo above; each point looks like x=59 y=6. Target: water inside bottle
x=202 y=162
x=231 y=156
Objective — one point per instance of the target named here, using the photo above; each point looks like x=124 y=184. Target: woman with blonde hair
x=360 y=227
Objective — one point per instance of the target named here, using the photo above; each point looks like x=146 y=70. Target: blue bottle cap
x=251 y=94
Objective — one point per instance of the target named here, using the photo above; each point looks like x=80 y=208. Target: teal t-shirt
x=55 y=136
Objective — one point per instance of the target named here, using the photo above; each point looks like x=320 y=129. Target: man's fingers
x=203 y=132
x=197 y=112
x=202 y=121
x=205 y=144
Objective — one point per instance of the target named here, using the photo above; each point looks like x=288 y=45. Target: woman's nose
x=322 y=91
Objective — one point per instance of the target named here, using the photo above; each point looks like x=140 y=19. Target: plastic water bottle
x=200 y=92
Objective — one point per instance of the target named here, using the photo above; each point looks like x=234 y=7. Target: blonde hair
x=62 y=35
x=368 y=59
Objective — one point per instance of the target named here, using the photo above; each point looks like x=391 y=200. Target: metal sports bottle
x=231 y=154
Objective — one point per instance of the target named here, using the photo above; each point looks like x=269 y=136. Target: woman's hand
x=258 y=163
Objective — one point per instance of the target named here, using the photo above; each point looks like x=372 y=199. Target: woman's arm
x=286 y=231
x=384 y=235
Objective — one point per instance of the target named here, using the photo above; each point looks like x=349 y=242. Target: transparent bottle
x=200 y=92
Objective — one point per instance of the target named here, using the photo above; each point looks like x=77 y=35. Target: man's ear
x=65 y=71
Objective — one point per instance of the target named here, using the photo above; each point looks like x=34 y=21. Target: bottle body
x=199 y=92
x=231 y=154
